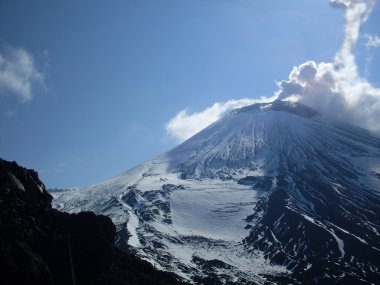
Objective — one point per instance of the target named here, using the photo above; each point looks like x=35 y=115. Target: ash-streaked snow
x=213 y=210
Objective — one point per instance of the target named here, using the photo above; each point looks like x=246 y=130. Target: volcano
x=272 y=193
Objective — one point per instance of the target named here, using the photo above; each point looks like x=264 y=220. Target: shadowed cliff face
x=39 y=245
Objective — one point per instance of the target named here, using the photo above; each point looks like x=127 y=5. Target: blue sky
x=113 y=74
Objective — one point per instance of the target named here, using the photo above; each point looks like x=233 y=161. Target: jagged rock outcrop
x=40 y=245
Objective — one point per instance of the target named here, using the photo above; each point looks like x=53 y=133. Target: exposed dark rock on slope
x=39 y=245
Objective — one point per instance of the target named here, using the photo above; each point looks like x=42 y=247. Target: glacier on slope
x=269 y=193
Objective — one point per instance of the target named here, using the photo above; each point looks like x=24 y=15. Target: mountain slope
x=271 y=192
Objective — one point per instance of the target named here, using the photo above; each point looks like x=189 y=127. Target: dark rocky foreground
x=40 y=245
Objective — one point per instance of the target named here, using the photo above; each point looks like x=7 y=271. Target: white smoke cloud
x=185 y=125
x=336 y=89
x=372 y=41
x=18 y=73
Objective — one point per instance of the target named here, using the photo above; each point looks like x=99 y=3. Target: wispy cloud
x=8 y=113
x=184 y=125
x=18 y=73
x=372 y=41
